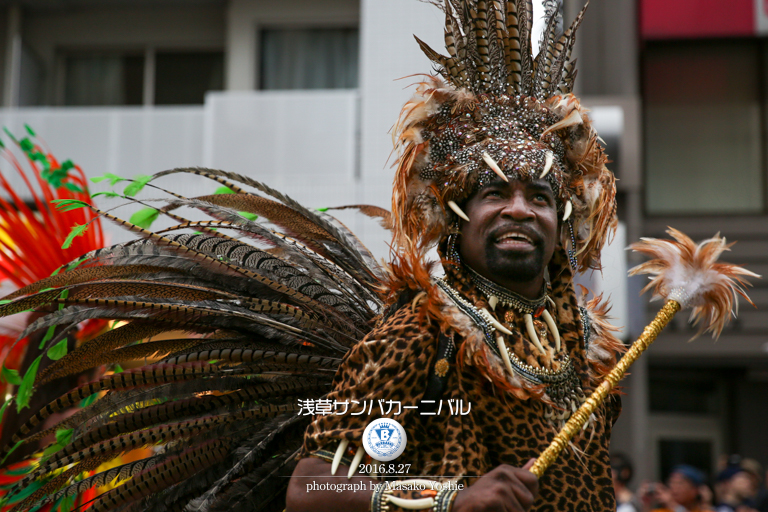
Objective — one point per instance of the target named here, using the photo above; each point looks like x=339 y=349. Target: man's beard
x=518 y=267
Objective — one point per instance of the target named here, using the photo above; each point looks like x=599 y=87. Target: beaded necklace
x=506 y=297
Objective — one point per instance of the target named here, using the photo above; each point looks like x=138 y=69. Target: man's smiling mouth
x=515 y=240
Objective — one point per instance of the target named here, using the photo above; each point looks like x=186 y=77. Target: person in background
x=621 y=471
x=762 y=497
x=738 y=486
x=681 y=494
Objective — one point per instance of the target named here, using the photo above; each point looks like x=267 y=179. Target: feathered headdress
x=498 y=111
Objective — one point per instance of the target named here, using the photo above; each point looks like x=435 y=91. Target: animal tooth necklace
x=532 y=310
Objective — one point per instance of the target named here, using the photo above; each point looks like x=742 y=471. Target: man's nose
x=518 y=208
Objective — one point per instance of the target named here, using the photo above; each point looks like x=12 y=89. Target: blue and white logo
x=384 y=439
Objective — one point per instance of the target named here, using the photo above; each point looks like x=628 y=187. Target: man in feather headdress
x=501 y=170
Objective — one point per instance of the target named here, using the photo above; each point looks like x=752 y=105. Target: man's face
x=683 y=490
x=512 y=231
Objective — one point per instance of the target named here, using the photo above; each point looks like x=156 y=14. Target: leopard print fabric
x=502 y=427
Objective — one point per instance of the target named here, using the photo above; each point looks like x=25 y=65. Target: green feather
x=65 y=205
x=25 y=388
x=58 y=351
x=48 y=336
x=138 y=184
x=10 y=135
x=114 y=179
x=107 y=193
x=85 y=402
x=77 y=230
x=73 y=188
x=224 y=190
x=10 y=376
x=145 y=217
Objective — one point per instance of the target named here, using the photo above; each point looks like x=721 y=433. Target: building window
x=177 y=77
x=704 y=126
x=309 y=58
x=103 y=79
x=183 y=78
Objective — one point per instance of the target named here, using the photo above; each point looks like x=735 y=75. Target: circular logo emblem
x=384 y=439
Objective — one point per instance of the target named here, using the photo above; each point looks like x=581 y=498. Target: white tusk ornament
x=417 y=504
x=458 y=211
x=495 y=322
x=355 y=461
x=337 y=456
x=568 y=210
x=552 y=327
x=547 y=164
x=494 y=166
x=532 y=332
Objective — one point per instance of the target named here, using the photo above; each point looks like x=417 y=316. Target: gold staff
x=685 y=275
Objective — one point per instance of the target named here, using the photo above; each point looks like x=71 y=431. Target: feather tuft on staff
x=690 y=274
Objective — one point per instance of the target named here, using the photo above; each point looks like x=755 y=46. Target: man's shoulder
x=406 y=318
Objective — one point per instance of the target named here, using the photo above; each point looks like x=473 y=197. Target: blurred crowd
x=739 y=486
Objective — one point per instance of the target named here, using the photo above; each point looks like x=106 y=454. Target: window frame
x=150 y=62
x=762 y=84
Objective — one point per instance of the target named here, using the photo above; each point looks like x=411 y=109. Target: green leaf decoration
x=10 y=135
x=30 y=131
x=73 y=187
x=65 y=205
x=18 y=443
x=66 y=165
x=5 y=301
x=85 y=402
x=2 y=144
x=116 y=369
x=10 y=376
x=322 y=209
x=138 y=184
x=224 y=190
x=48 y=336
x=114 y=179
x=64 y=436
x=107 y=193
x=77 y=230
x=50 y=450
x=58 y=351
x=145 y=217
x=249 y=216
x=26 y=144
x=5 y=405
x=75 y=264
x=25 y=388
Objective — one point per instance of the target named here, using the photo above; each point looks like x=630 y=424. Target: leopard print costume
x=507 y=421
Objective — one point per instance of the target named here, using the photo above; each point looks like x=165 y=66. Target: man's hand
x=504 y=489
